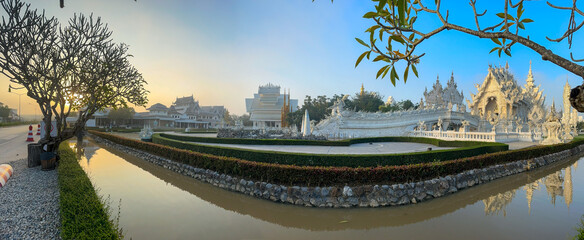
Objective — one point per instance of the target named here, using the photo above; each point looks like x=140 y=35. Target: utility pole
x=19 y=94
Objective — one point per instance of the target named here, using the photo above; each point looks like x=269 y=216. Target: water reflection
x=185 y=200
x=558 y=183
x=497 y=203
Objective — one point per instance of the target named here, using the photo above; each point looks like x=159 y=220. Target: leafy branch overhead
x=395 y=35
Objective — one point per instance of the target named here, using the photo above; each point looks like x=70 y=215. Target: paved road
x=13 y=143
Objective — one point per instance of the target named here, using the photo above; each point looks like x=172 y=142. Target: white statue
x=421 y=126
x=339 y=106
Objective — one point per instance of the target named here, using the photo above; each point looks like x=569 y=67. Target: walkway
x=361 y=148
x=29 y=202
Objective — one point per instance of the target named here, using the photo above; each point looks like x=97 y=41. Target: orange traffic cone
x=39 y=129
x=30 y=138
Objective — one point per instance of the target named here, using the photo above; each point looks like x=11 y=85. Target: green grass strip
x=83 y=214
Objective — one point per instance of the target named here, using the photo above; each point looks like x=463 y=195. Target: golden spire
x=362 y=89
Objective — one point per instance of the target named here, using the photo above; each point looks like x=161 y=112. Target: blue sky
x=220 y=51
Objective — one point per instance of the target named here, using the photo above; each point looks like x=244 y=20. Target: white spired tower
x=566 y=115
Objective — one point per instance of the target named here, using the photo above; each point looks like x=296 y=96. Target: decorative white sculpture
x=306 y=124
x=552 y=126
x=146 y=133
x=465 y=124
x=339 y=106
x=567 y=128
x=439 y=127
x=421 y=126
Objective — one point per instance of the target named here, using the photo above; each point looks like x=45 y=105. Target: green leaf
x=380 y=57
x=406 y=74
x=381 y=71
x=495 y=48
x=362 y=43
x=385 y=72
x=496 y=40
x=519 y=10
x=500 y=49
x=402 y=11
x=361 y=58
x=370 y=15
x=394 y=72
x=414 y=70
x=507 y=52
x=393 y=76
x=382 y=3
x=502 y=15
x=372 y=28
x=397 y=39
x=520 y=25
x=527 y=20
x=381 y=35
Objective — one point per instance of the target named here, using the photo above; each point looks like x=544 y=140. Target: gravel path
x=29 y=204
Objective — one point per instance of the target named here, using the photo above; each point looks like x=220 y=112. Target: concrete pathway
x=361 y=148
x=13 y=145
x=519 y=145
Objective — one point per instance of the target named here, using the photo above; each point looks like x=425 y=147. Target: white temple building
x=266 y=106
x=500 y=111
x=502 y=102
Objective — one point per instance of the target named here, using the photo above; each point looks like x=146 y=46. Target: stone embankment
x=353 y=196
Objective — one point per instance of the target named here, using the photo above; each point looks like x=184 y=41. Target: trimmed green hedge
x=346 y=142
x=83 y=215
x=335 y=176
x=348 y=160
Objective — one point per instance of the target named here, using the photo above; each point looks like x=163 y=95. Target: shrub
x=346 y=142
x=363 y=160
x=83 y=215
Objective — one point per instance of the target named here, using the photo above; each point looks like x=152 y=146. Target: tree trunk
x=34 y=154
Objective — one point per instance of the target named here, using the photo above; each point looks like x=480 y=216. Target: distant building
x=268 y=106
x=184 y=112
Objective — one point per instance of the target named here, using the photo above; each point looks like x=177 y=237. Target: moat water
x=157 y=203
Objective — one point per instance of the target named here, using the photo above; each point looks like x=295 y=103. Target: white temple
x=265 y=108
x=501 y=111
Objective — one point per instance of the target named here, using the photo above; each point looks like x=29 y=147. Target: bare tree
x=396 y=19
x=76 y=67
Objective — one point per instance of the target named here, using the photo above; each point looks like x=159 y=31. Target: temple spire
x=362 y=89
x=530 y=75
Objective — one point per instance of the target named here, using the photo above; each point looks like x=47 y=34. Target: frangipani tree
x=66 y=69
